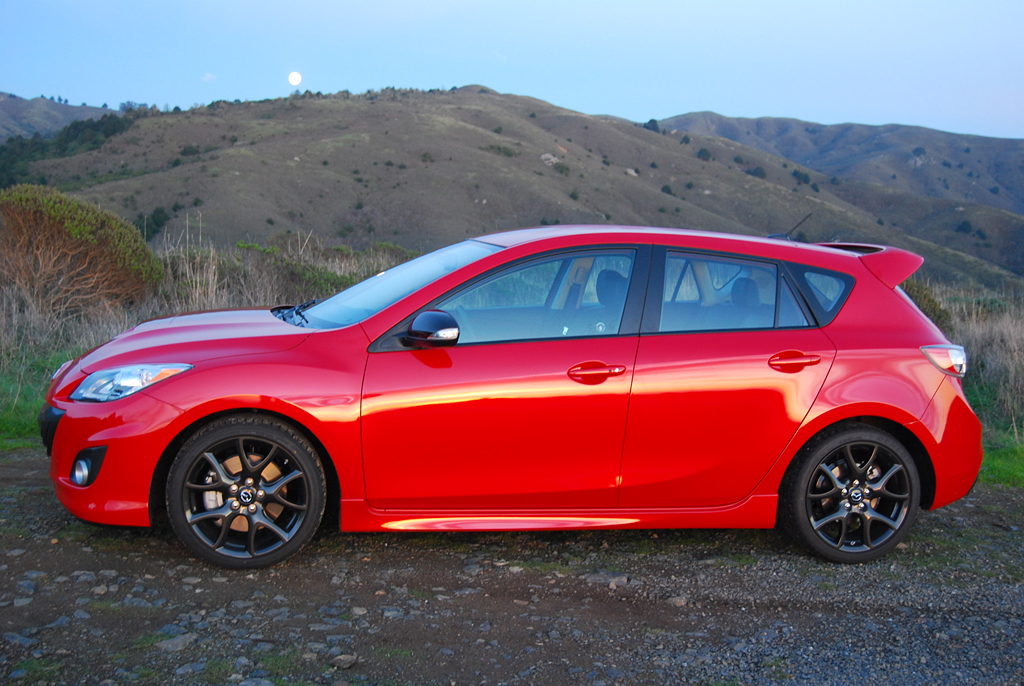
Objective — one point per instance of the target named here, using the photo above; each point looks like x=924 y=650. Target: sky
x=954 y=66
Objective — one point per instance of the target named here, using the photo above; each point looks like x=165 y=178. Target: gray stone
x=12 y=637
x=21 y=602
x=58 y=623
x=172 y=645
x=240 y=604
x=256 y=682
x=191 y=668
x=392 y=612
x=263 y=647
x=27 y=587
x=34 y=574
x=83 y=577
x=678 y=601
x=472 y=570
x=344 y=661
x=82 y=614
x=606 y=578
x=15 y=552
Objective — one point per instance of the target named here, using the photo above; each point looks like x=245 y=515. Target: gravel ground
x=88 y=604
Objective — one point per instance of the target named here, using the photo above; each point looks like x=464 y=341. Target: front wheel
x=853 y=496
x=245 y=492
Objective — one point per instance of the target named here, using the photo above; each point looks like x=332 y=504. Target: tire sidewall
x=263 y=428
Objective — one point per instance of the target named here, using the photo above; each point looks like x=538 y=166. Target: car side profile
x=540 y=379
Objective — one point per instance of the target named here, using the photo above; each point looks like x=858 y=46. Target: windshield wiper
x=288 y=314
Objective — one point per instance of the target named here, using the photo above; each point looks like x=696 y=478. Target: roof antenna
x=785 y=236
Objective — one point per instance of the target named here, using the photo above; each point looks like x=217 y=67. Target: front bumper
x=135 y=432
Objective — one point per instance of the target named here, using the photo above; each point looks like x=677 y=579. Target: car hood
x=192 y=338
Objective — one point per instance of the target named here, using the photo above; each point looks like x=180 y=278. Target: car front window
x=369 y=297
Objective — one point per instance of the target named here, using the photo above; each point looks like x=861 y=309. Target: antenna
x=785 y=236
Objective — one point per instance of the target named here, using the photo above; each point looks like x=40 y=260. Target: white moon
x=295 y=78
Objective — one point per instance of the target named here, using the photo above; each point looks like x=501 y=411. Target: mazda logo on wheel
x=245 y=496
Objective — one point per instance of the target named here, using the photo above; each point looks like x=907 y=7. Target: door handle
x=792 y=361
x=594 y=372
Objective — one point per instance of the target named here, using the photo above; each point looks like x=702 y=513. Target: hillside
x=423 y=169
x=951 y=166
x=21 y=117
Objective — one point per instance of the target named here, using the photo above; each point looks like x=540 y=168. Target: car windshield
x=369 y=297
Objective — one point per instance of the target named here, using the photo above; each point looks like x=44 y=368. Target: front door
x=528 y=411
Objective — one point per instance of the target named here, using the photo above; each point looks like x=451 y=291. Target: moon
x=295 y=78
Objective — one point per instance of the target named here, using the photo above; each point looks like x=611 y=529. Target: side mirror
x=433 y=329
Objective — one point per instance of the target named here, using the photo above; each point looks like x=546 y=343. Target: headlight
x=111 y=384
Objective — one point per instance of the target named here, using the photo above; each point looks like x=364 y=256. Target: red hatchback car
x=553 y=378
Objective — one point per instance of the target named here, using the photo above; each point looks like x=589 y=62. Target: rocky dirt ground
x=101 y=605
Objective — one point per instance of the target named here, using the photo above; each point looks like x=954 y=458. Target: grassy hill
x=424 y=169
x=951 y=166
x=21 y=117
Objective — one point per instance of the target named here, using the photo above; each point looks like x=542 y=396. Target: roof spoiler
x=892 y=266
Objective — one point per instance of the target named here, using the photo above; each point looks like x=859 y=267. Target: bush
x=704 y=154
x=964 y=227
x=921 y=294
x=561 y=168
x=499 y=150
x=667 y=189
x=801 y=177
x=738 y=159
x=427 y=157
x=918 y=152
x=66 y=256
x=685 y=140
x=652 y=125
x=757 y=172
x=575 y=194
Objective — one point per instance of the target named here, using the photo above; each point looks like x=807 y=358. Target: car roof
x=508 y=239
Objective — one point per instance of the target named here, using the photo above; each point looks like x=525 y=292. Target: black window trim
x=632 y=312
x=822 y=316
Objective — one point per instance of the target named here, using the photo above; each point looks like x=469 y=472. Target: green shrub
x=427 y=157
x=685 y=140
x=561 y=168
x=500 y=150
x=738 y=159
x=704 y=154
x=921 y=293
x=66 y=255
x=757 y=172
x=667 y=189
x=574 y=194
x=652 y=125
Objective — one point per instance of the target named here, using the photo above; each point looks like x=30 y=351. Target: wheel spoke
x=273 y=490
x=882 y=486
x=195 y=518
x=260 y=519
x=223 y=478
x=837 y=487
x=225 y=529
x=871 y=460
x=870 y=515
x=839 y=514
x=257 y=468
x=851 y=464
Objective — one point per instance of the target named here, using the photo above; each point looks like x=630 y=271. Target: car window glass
x=579 y=294
x=715 y=293
x=790 y=314
x=827 y=289
x=378 y=292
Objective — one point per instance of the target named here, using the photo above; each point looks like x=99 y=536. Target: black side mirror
x=433 y=329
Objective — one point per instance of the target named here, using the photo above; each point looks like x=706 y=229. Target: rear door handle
x=792 y=361
x=595 y=373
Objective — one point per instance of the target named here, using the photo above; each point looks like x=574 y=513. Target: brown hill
x=951 y=166
x=423 y=169
x=21 y=117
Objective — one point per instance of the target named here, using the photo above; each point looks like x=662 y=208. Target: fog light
x=86 y=466
x=80 y=472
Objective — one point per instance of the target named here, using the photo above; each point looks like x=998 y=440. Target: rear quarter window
x=824 y=290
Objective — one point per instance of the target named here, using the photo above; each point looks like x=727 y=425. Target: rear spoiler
x=892 y=266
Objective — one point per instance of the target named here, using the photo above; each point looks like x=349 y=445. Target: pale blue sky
x=955 y=66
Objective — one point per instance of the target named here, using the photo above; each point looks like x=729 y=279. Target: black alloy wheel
x=853 y=496
x=245 y=492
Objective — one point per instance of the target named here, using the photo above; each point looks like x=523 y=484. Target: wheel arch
x=906 y=437
x=158 y=484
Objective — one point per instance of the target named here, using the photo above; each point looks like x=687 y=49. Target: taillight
x=951 y=359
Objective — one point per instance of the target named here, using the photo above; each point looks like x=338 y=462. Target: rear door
x=727 y=368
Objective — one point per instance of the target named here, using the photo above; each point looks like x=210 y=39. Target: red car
x=553 y=378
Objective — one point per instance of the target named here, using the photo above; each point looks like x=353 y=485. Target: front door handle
x=792 y=361
x=595 y=372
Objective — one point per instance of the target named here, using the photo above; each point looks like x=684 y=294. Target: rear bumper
x=957 y=452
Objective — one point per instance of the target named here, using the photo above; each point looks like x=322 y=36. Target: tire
x=852 y=496
x=245 y=492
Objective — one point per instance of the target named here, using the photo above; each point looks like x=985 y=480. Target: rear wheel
x=245 y=492
x=853 y=496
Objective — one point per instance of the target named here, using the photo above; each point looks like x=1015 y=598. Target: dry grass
x=991 y=328
x=34 y=341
